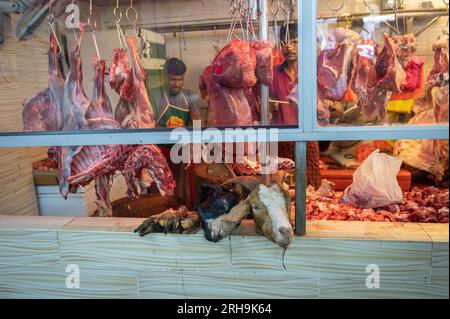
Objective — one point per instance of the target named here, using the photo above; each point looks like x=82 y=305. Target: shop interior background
x=24 y=68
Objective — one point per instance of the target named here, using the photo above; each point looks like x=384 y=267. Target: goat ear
x=238 y=212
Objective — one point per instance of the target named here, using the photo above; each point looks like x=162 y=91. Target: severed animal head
x=269 y=205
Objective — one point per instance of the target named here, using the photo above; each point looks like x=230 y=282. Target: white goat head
x=270 y=206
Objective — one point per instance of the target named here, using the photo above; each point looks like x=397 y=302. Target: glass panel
x=382 y=62
x=381 y=181
x=142 y=181
x=163 y=78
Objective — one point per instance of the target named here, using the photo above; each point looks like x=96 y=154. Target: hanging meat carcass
x=412 y=64
x=121 y=74
x=364 y=77
x=390 y=77
x=134 y=109
x=91 y=162
x=264 y=61
x=439 y=75
x=75 y=105
x=431 y=155
x=334 y=65
x=227 y=106
x=390 y=73
x=234 y=66
x=79 y=165
x=44 y=112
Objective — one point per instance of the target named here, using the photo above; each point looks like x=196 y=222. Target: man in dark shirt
x=284 y=112
x=178 y=106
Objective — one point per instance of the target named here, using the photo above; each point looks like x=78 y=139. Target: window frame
x=307 y=130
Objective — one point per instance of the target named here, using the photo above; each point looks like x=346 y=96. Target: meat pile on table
x=426 y=205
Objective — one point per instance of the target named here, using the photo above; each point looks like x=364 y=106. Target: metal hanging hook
x=337 y=9
x=118 y=15
x=51 y=21
x=274 y=13
x=131 y=14
x=117 y=12
x=93 y=28
x=395 y=8
x=287 y=9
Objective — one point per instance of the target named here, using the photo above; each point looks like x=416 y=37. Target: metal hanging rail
x=439 y=12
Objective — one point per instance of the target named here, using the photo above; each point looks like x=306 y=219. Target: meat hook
x=395 y=8
x=275 y=21
x=287 y=9
x=93 y=29
x=337 y=9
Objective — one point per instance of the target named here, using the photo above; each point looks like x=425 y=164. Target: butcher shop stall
x=224 y=149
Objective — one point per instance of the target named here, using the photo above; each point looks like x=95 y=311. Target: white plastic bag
x=375 y=182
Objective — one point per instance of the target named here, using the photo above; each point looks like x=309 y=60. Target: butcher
x=178 y=107
x=284 y=111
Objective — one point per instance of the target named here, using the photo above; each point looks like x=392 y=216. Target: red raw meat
x=364 y=76
x=99 y=112
x=429 y=205
x=234 y=66
x=147 y=164
x=413 y=69
x=334 y=65
x=253 y=98
x=264 y=61
x=227 y=107
x=363 y=151
x=74 y=108
x=44 y=112
x=390 y=73
x=137 y=113
x=439 y=75
x=121 y=75
x=412 y=65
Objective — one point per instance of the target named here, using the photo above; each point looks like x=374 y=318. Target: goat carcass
x=141 y=165
x=44 y=112
x=75 y=105
x=135 y=112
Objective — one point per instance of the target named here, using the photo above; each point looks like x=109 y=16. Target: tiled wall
x=114 y=262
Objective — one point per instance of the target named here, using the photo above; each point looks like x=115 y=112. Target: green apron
x=174 y=116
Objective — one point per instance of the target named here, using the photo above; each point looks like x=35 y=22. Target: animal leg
x=170 y=221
